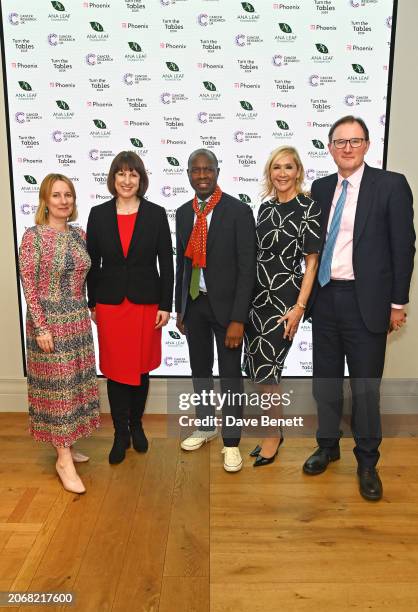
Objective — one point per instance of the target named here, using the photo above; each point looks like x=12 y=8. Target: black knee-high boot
x=139 y=396
x=119 y=399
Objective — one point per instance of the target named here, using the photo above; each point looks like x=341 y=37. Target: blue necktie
x=324 y=274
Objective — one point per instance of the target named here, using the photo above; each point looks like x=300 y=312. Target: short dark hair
x=127 y=160
x=349 y=119
x=210 y=154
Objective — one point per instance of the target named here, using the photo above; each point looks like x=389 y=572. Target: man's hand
x=234 y=334
x=180 y=324
x=45 y=342
x=397 y=319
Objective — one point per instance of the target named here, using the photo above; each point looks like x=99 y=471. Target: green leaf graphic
x=210 y=86
x=282 y=124
x=136 y=142
x=321 y=48
x=62 y=105
x=246 y=105
x=358 y=68
x=25 y=85
x=173 y=161
x=58 y=6
x=99 y=124
x=244 y=198
x=135 y=47
x=97 y=27
x=174 y=335
x=247 y=7
x=318 y=144
x=172 y=66
x=30 y=179
x=285 y=28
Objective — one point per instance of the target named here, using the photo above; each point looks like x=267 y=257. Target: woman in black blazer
x=130 y=300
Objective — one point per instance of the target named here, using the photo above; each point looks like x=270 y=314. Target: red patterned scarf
x=196 y=248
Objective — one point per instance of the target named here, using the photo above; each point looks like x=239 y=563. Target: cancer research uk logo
x=352 y=100
x=59 y=39
x=21 y=117
x=172 y=98
x=241 y=136
x=16 y=19
x=319 y=80
x=205 y=117
x=129 y=78
x=93 y=59
x=204 y=20
x=63 y=136
x=99 y=154
x=246 y=40
x=279 y=60
x=169 y=191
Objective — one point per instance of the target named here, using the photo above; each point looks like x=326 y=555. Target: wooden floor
x=171 y=531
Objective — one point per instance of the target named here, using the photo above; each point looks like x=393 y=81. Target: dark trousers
x=127 y=403
x=338 y=332
x=201 y=329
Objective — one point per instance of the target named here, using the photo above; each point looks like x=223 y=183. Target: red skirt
x=129 y=344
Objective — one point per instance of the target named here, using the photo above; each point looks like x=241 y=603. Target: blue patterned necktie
x=324 y=274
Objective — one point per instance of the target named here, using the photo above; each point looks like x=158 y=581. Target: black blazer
x=112 y=277
x=383 y=242
x=230 y=259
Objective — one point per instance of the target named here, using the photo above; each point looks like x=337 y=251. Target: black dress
x=285 y=233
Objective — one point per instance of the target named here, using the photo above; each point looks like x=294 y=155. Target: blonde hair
x=267 y=187
x=45 y=190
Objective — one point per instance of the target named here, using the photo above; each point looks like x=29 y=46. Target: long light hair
x=45 y=190
x=267 y=187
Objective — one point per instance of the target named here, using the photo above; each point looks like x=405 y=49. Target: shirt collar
x=354 y=179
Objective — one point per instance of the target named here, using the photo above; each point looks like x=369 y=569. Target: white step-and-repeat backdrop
x=86 y=80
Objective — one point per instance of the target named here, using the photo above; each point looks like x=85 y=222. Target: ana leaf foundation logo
x=321 y=48
x=30 y=179
x=244 y=198
x=318 y=144
x=248 y=8
x=173 y=161
x=58 y=6
x=285 y=28
x=358 y=68
x=136 y=143
x=172 y=66
x=282 y=125
x=246 y=105
x=96 y=26
x=25 y=86
x=101 y=125
x=209 y=86
x=135 y=47
x=62 y=105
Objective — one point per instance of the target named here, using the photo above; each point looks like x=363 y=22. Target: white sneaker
x=232 y=459
x=198 y=439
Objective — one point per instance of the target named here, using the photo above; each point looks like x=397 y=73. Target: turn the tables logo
x=173 y=25
x=210 y=142
x=99 y=34
x=30 y=185
x=17 y=19
x=246 y=40
x=246 y=160
x=101 y=130
x=137 y=55
x=204 y=20
x=284 y=60
x=323 y=55
x=172 y=98
x=99 y=84
x=248 y=13
x=23 y=44
x=133 y=6
x=99 y=177
x=59 y=39
x=21 y=117
x=319 y=80
x=65 y=112
x=173 y=123
x=249 y=113
x=172 y=167
x=61 y=64
x=61 y=136
x=93 y=59
x=210 y=45
x=129 y=78
x=65 y=159
x=61 y=15
x=174 y=73
x=247 y=65
x=324 y=6
x=29 y=142
x=25 y=92
x=284 y=85
x=136 y=104
x=286 y=34
x=210 y=93
x=318 y=150
x=320 y=104
x=284 y=132
x=359 y=75
x=361 y=27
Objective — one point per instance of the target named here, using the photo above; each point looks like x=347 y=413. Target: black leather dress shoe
x=371 y=487
x=318 y=461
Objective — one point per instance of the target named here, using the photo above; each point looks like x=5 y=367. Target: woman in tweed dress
x=62 y=385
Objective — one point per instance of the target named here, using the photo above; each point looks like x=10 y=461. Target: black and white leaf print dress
x=285 y=233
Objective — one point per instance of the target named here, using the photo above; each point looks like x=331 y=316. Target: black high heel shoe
x=256 y=451
x=260 y=460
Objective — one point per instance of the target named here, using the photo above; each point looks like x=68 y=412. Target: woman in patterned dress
x=62 y=384
x=287 y=233
x=130 y=298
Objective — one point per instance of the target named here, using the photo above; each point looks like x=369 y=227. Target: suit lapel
x=215 y=222
x=114 y=228
x=363 y=203
x=326 y=203
x=138 y=228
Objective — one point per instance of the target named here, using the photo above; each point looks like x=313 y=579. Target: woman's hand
x=45 y=342
x=291 y=321
x=162 y=319
x=93 y=315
